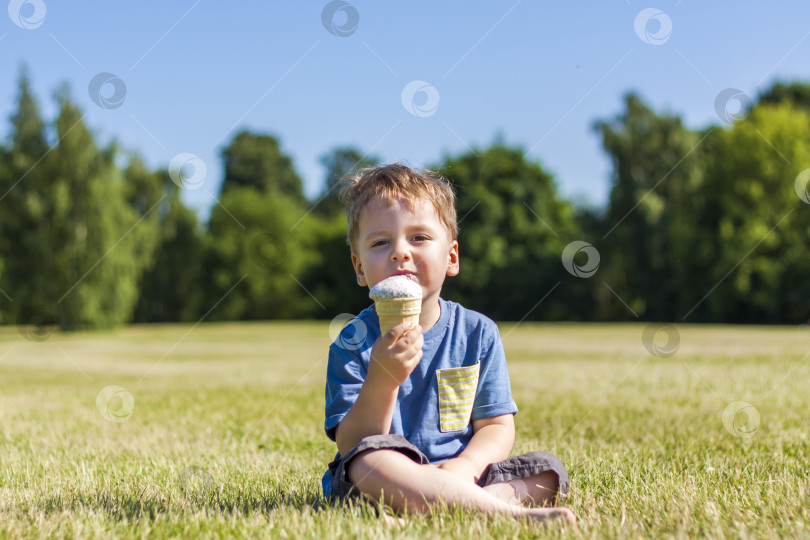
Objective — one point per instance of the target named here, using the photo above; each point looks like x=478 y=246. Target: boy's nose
x=401 y=251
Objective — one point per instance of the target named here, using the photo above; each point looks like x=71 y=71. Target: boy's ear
x=452 y=259
x=358 y=269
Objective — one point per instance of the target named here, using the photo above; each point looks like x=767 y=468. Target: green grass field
x=218 y=432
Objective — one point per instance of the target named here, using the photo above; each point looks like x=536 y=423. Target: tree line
x=706 y=225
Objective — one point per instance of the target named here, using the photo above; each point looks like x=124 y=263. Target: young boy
x=424 y=414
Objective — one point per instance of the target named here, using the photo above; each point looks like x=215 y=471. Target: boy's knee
x=552 y=468
x=549 y=481
x=369 y=461
x=542 y=466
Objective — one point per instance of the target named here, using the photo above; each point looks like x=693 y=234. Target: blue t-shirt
x=462 y=377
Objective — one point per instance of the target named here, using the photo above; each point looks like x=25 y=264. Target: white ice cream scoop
x=397 y=299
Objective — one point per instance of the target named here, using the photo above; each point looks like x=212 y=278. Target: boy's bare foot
x=547 y=515
x=542 y=515
x=394 y=520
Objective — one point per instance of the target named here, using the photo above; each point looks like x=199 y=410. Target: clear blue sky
x=536 y=73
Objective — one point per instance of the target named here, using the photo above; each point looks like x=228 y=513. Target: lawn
x=216 y=430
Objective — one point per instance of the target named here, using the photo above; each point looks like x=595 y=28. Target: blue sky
x=538 y=74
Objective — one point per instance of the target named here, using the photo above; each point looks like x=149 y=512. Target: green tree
x=6 y=300
x=649 y=237
x=253 y=160
x=96 y=244
x=72 y=244
x=792 y=93
x=339 y=162
x=513 y=228
x=145 y=192
x=761 y=231
x=144 y=189
x=256 y=256
x=169 y=286
x=23 y=196
x=170 y=289
x=329 y=276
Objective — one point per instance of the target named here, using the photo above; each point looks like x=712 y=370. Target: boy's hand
x=463 y=467
x=396 y=354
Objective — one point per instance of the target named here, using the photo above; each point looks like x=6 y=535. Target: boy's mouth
x=411 y=275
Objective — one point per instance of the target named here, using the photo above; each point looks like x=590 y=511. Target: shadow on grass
x=132 y=506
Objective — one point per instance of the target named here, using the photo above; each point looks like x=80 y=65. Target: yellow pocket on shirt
x=457 y=388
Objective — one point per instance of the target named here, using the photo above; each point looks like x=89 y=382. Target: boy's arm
x=491 y=442
x=393 y=358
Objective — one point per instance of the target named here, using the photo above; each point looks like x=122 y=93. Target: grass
x=222 y=435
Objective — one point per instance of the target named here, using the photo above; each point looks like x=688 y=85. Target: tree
x=253 y=160
x=254 y=251
x=329 y=276
x=144 y=189
x=96 y=244
x=255 y=257
x=23 y=195
x=649 y=234
x=762 y=228
x=170 y=288
x=6 y=301
x=339 y=162
x=513 y=228
x=72 y=244
x=793 y=93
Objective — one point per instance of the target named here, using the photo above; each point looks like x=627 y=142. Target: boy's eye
x=420 y=238
x=378 y=243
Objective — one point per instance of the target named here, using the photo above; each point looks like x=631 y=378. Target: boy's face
x=393 y=239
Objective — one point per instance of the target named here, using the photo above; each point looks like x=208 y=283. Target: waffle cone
x=393 y=311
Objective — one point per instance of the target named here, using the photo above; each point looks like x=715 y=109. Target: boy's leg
x=406 y=485
x=537 y=478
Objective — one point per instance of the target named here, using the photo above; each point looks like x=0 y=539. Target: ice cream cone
x=397 y=299
x=393 y=311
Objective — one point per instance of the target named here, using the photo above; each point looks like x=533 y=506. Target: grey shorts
x=518 y=467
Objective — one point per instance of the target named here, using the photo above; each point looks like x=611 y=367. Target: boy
x=424 y=414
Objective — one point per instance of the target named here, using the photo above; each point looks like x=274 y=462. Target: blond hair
x=396 y=181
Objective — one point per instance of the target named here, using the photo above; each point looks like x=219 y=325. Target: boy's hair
x=392 y=182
